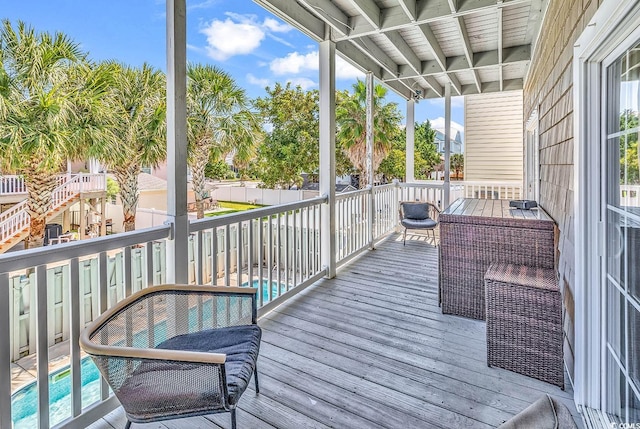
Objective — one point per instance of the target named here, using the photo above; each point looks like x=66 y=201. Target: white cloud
x=276 y=26
x=239 y=34
x=257 y=81
x=439 y=124
x=228 y=38
x=456 y=102
x=302 y=82
x=345 y=71
x=296 y=63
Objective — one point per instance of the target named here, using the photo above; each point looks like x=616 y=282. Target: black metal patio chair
x=177 y=351
x=418 y=215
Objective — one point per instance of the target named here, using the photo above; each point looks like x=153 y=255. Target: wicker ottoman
x=524 y=321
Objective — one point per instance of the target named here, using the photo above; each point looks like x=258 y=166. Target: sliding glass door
x=621 y=209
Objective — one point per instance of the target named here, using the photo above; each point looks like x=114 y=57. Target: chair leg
x=128 y=425
x=404 y=238
x=233 y=418
x=255 y=378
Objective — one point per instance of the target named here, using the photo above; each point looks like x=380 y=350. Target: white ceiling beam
x=468 y=52
x=455 y=83
x=394 y=18
x=369 y=10
x=294 y=14
x=509 y=85
x=499 y=17
x=486 y=59
x=409 y=8
x=371 y=49
x=411 y=58
x=434 y=46
x=329 y=13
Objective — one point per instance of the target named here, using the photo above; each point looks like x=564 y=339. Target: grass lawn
x=229 y=207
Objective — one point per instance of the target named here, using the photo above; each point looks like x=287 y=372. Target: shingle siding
x=549 y=89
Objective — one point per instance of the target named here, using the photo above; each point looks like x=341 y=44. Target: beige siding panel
x=493 y=137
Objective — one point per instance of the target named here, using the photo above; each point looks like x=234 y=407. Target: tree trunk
x=127 y=178
x=198 y=165
x=39 y=186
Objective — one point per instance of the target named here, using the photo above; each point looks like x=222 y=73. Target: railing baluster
x=295 y=248
x=227 y=255
x=239 y=246
x=250 y=250
x=42 y=341
x=199 y=258
x=149 y=261
x=214 y=256
x=260 y=262
x=270 y=259
x=103 y=305
x=5 y=352
x=74 y=327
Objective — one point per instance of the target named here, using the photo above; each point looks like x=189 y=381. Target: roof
x=416 y=47
x=147 y=182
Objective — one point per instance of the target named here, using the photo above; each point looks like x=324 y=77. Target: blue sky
x=239 y=36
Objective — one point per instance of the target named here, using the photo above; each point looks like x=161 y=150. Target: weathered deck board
x=371 y=349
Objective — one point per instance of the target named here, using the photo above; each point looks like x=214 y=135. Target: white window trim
x=614 y=22
x=532 y=148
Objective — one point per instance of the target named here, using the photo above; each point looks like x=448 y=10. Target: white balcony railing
x=12 y=185
x=48 y=295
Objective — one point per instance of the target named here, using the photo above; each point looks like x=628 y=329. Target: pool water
x=24 y=402
x=265 y=289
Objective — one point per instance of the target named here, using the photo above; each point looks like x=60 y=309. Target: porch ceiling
x=416 y=46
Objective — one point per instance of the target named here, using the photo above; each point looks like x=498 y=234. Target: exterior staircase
x=14 y=223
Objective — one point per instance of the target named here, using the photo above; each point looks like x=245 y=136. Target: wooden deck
x=371 y=349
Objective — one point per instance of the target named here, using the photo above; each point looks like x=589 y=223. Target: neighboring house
x=456 y=141
x=493 y=149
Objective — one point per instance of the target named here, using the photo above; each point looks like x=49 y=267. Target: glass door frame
x=614 y=28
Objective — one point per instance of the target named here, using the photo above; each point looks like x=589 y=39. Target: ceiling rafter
x=369 y=10
x=468 y=52
x=412 y=60
x=438 y=53
x=409 y=8
x=329 y=13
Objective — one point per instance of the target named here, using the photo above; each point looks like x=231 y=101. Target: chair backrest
x=415 y=210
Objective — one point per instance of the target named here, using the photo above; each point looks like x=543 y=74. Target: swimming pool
x=24 y=402
x=275 y=291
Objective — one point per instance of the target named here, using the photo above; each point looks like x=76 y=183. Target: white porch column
x=410 y=127
x=328 y=154
x=177 y=140
x=370 y=172
x=447 y=144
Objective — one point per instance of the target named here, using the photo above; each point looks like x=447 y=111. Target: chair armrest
x=149 y=354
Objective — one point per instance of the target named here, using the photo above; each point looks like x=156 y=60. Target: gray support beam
x=177 y=141
x=370 y=143
x=328 y=154
x=409 y=8
x=5 y=351
x=369 y=10
x=447 y=144
x=411 y=143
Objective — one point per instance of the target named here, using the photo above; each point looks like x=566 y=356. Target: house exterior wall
x=549 y=89
x=493 y=137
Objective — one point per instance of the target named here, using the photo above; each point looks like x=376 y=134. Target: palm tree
x=219 y=121
x=457 y=163
x=137 y=113
x=351 y=120
x=42 y=79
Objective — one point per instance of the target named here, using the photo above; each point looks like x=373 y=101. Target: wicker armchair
x=177 y=351
x=418 y=215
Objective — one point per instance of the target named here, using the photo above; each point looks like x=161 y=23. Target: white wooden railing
x=353 y=223
x=276 y=248
x=12 y=185
x=17 y=218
